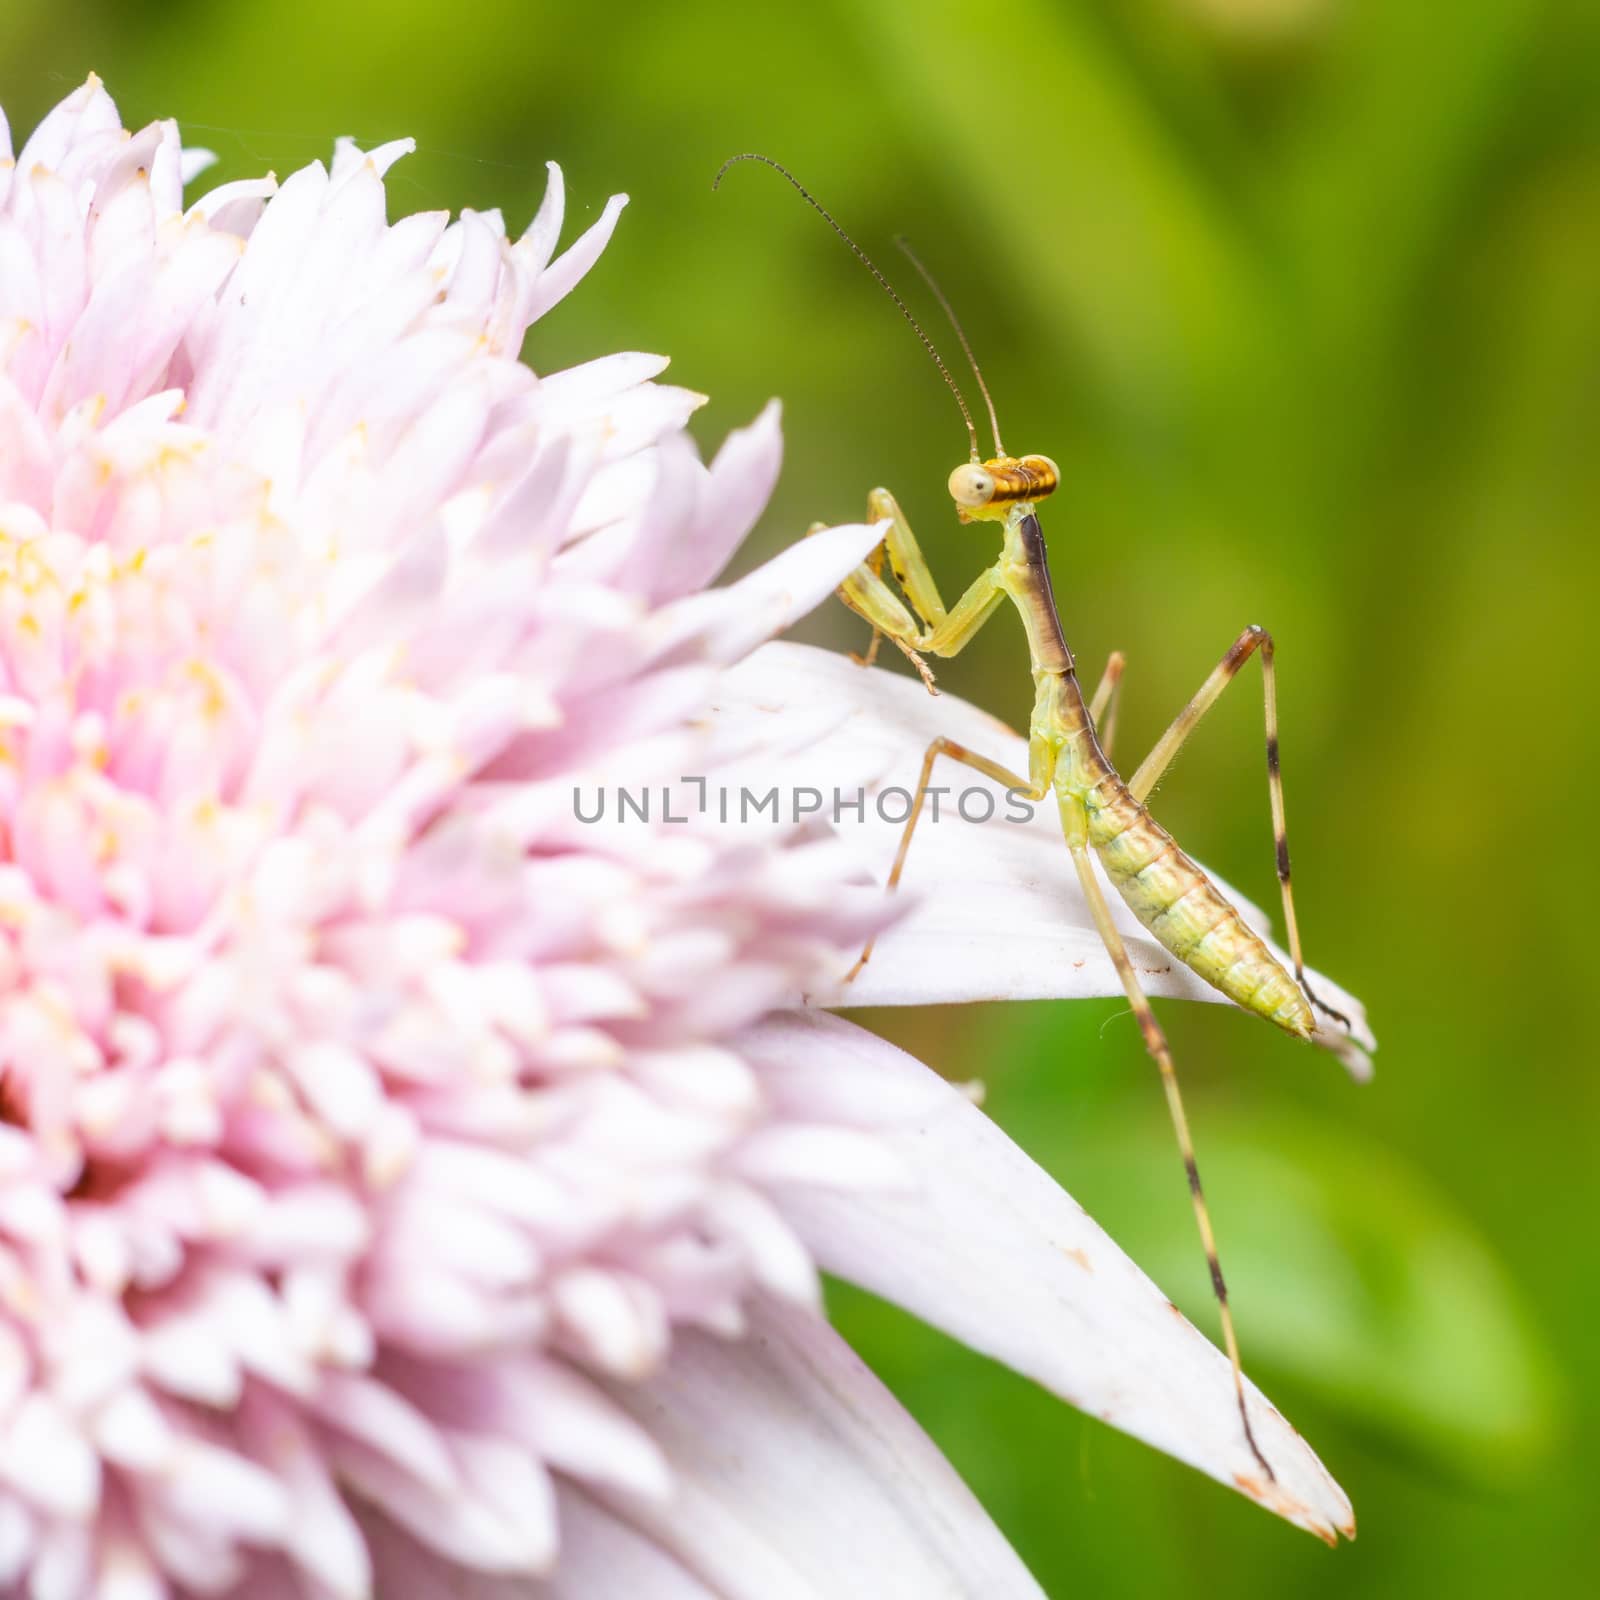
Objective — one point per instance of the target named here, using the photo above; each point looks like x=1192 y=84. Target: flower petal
x=603 y=1557
x=998 y=914
x=801 y=1478
x=563 y=274
x=728 y=623
x=87 y=114
x=990 y=1249
x=737 y=489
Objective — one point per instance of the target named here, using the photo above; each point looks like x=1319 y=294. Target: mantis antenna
x=961 y=333
x=883 y=283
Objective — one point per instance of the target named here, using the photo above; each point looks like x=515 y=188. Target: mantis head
x=986 y=491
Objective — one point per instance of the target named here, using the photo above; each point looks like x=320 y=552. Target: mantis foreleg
x=906 y=560
x=923 y=626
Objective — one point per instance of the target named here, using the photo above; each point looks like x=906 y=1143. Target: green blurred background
x=1304 y=296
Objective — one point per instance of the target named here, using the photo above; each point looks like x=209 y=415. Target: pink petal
x=370 y=1412
x=741 y=479
x=726 y=624
x=161 y=297
x=322 y=1536
x=538 y=244
x=192 y=162
x=464 y=1526
x=348 y=156
x=801 y=1478
x=563 y=274
x=45 y=1458
x=603 y=1557
x=990 y=1249
x=235 y=207
x=87 y=113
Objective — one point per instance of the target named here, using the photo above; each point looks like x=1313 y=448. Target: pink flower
x=406 y=1186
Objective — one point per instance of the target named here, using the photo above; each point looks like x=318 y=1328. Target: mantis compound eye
x=971 y=485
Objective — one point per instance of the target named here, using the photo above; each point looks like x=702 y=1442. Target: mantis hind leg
x=1155 y=1042
x=1031 y=789
x=1252 y=640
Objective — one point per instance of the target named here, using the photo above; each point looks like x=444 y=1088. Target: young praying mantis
x=1100 y=810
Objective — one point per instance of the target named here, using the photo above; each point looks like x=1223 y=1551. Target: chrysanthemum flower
x=405 y=1186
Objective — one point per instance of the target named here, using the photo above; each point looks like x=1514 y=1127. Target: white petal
x=131 y=1431
x=777 y=1259
x=538 y=244
x=127 y=1571
x=603 y=1557
x=234 y=207
x=576 y=1429
x=997 y=913
x=990 y=1249
x=45 y=1458
x=733 y=621
x=793 y=1152
x=801 y=1478
x=616 y=1321
x=459 y=1526
x=339 y=1084
x=63 y=1564
x=17 y=1536
x=322 y=1535
x=194 y=161
x=184 y=1357
x=594 y=383
x=366 y=1410
x=735 y=493
x=348 y=156
x=86 y=112
x=563 y=274
x=512 y=1482
x=215 y=1489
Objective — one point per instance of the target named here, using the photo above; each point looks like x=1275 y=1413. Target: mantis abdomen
x=1185 y=912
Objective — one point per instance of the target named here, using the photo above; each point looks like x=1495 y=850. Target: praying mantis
x=1102 y=813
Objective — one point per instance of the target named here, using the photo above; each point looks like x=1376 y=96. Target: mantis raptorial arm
x=906 y=560
x=1167 y=746
x=938 y=632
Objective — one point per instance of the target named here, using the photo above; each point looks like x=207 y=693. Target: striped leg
x=1167 y=746
x=919 y=622
x=990 y=769
x=1107 y=697
x=1155 y=1041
